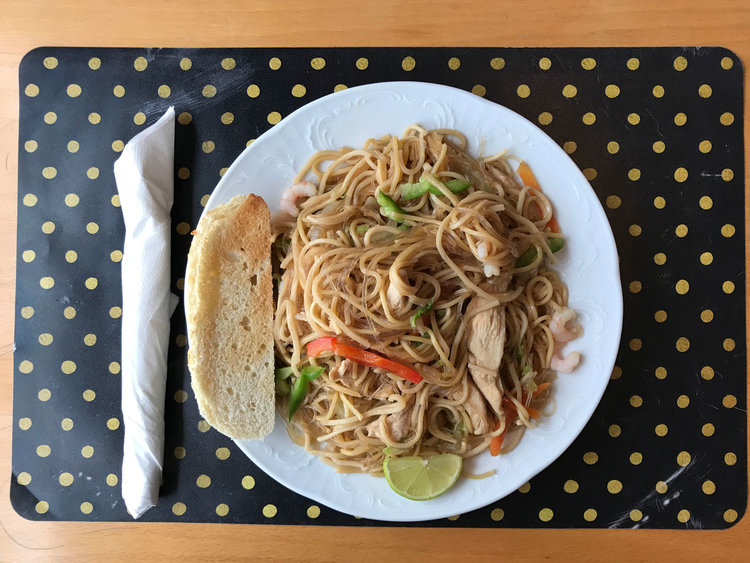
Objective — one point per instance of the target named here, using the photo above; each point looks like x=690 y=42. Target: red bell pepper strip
x=360 y=356
x=528 y=179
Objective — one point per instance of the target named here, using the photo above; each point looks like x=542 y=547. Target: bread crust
x=229 y=300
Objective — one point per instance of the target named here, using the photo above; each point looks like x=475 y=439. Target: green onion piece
x=389 y=208
x=526 y=369
x=282 y=385
x=421 y=311
x=556 y=244
x=362 y=229
x=312 y=372
x=519 y=352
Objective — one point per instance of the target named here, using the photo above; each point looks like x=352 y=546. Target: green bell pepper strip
x=301 y=386
x=555 y=245
x=389 y=208
x=413 y=191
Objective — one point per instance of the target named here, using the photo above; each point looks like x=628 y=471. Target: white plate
x=588 y=264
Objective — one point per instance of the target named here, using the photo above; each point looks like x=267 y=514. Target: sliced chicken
x=397 y=425
x=477 y=410
x=344 y=374
x=486 y=331
x=395 y=298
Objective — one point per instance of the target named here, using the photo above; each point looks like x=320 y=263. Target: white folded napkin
x=145 y=181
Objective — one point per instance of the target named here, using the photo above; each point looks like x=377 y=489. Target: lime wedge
x=422 y=478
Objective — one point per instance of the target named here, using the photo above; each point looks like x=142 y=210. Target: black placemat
x=658 y=132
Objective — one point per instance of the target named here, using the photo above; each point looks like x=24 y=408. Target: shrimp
x=566 y=365
x=559 y=325
x=293 y=193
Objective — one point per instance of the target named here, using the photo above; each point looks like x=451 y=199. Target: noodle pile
x=402 y=286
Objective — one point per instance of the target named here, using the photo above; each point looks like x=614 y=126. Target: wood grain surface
x=25 y=24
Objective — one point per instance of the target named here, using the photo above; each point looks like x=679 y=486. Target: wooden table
x=25 y=24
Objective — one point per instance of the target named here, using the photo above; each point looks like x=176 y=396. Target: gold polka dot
x=636 y=458
x=590 y=515
x=42 y=507
x=180 y=283
x=181 y=340
x=683 y=344
x=683 y=401
x=318 y=63
x=614 y=486
x=31 y=90
x=66 y=424
x=49 y=172
x=299 y=90
x=729 y=344
x=222 y=509
x=208 y=146
x=660 y=258
x=89 y=339
x=661 y=430
x=47 y=282
x=118 y=145
x=184 y=118
x=112 y=480
x=253 y=91
x=164 y=91
x=635 y=287
x=204 y=426
x=658 y=147
x=228 y=63
x=635 y=401
x=569 y=91
x=274 y=117
x=115 y=200
x=92 y=173
x=615 y=430
x=179 y=508
x=479 y=90
x=45 y=339
x=94 y=118
x=209 y=91
x=203 y=481
x=183 y=173
x=30 y=146
x=362 y=63
x=680 y=119
x=634 y=119
x=707 y=315
x=545 y=63
x=731 y=514
x=660 y=316
x=659 y=202
x=658 y=91
x=23 y=478
x=545 y=118
x=50 y=117
x=274 y=63
x=91 y=283
x=89 y=395
x=727 y=287
x=269 y=511
x=728 y=230
x=590 y=173
x=87 y=451
x=114 y=368
x=589 y=118
x=223 y=171
x=30 y=200
x=613 y=147
x=546 y=514
x=726 y=118
x=523 y=91
x=408 y=64
x=73 y=90
x=66 y=479
x=113 y=423
x=636 y=515
x=525 y=488
x=139 y=118
x=635 y=230
x=588 y=63
x=186 y=64
x=24 y=423
x=681 y=230
x=50 y=62
x=115 y=256
x=27 y=312
x=683 y=458
x=706 y=258
x=140 y=64
x=680 y=63
x=118 y=91
x=497 y=63
x=43 y=451
x=634 y=174
x=69 y=313
x=616 y=373
x=635 y=344
x=570 y=486
x=590 y=458
x=183 y=228
x=612 y=91
x=730 y=458
x=95 y=63
x=708 y=487
x=26 y=366
x=633 y=64
x=683 y=515
x=115 y=312
x=682 y=287
x=179 y=452
x=704 y=91
x=339 y=87
x=28 y=255
x=248 y=482
x=180 y=396
x=729 y=401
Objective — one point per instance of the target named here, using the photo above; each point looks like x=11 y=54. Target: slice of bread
x=229 y=309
